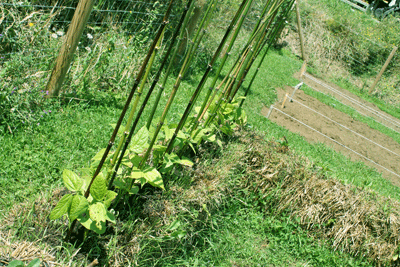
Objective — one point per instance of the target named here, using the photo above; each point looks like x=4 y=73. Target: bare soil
x=338 y=130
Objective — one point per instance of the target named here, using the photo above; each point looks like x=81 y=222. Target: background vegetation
x=206 y=219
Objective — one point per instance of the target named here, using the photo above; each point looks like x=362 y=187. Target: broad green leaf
x=98 y=212
x=16 y=263
x=182 y=135
x=62 y=207
x=88 y=223
x=126 y=163
x=119 y=184
x=210 y=138
x=186 y=162
x=110 y=217
x=79 y=205
x=99 y=187
x=198 y=135
x=34 y=263
x=134 y=190
x=153 y=177
x=140 y=141
x=135 y=159
x=72 y=181
x=168 y=132
x=109 y=198
x=86 y=177
x=136 y=173
x=99 y=155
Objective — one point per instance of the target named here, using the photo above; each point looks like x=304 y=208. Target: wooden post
x=190 y=28
x=284 y=100
x=383 y=69
x=303 y=69
x=68 y=48
x=303 y=53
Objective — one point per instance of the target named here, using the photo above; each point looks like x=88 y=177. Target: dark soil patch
x=373 y=150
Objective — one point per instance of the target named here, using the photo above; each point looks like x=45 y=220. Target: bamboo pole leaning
x=171 y=63
x=273 y=37
x=245 y=3
x=126 y=106
x=183 y=18
x=199 y=35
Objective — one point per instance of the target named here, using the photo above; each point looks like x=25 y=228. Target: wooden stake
x=78 y=23
x=303 y=68
x=303 y=54
x=284 y=100
x=383 y=69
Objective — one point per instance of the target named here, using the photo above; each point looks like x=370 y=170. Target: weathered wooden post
x=68 y=48
x=383 y=69
x=303 y=53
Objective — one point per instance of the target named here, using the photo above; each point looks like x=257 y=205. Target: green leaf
x=109 y=198
x=16 y=263
x=98 y=212
x=134 y=190
x=139 y=141
x=99 y=155
x=168 y=132
x=120 y=184
x=186 y=162
x=153 y=177
x=136 y=173
x=62 y=207
x=72 y=181
x=86 y=177
x=34 y=263
x=99 y=228
x=99 y=187
x=110 y=217
x=79 y=205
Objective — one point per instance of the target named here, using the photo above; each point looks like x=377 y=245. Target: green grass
x=278 y=69
x=236 y=232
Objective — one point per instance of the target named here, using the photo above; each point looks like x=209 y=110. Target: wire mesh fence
x=31 y=34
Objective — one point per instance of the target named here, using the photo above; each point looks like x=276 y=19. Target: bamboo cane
x=275 y=36
x=188 y=59
x=170 y=66
x=145 y=101
x=127 y=103
x=209 y=67
x=260 y=33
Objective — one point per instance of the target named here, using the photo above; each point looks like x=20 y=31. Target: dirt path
x=343 y=133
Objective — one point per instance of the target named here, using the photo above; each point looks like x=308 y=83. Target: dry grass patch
x=356 y=221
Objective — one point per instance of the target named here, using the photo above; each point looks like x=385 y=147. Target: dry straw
x=356 y=221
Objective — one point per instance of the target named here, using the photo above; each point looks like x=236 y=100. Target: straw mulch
x=357 y=221
x=24 y=251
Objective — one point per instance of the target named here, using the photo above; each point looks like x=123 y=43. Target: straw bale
x=357 y=221
x=24 y=251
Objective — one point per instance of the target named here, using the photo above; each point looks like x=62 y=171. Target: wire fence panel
x=31 y=34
